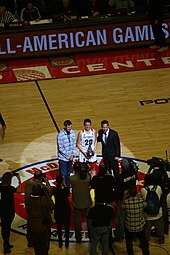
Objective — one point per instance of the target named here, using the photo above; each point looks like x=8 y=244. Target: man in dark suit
x=110 y=147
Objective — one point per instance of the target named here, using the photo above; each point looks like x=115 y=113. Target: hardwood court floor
x=144 y=130
x=30 y=135
x=20 y=248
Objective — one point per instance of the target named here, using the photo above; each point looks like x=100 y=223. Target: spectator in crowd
x=5 y=16
x=140 y=6
x=2 y=123
x=159 y=176
x=97 y=7
x=7 y=207
x=66 y=143
x=156 y=10
x=9 y=5
x=81 y=198
x=62 y=211
x=90 y=7
x=103 y=184
x=20 y=4
x=42 y=180
x=87 y=145
x=83 y=7
x=155 y=220
x=101 y=215
x=30 y=13
x=110 y=147
x=127 y=6
x=134 y=220
x=39 y=207
x=53 y=9
x=123 y=181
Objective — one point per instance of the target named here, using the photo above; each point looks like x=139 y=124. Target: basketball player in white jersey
x=87 y=145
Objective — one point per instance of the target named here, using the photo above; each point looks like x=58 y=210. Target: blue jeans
x=65 y=168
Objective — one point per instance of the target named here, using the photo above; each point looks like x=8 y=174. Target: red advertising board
x=77 y=39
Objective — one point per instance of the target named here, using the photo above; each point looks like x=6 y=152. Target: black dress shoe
x=60 y=244
x=7 y=251
x=66 y=245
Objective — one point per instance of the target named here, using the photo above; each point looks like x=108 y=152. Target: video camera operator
x=103 y=184
x=158 y=173
x=81 y=198
x=123 y=181
x=41 y=179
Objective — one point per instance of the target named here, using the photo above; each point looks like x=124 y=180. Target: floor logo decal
x=51 y=169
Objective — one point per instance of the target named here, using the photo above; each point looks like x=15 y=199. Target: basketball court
x=130 y=88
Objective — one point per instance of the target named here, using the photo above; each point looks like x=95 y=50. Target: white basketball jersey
x=87 y=139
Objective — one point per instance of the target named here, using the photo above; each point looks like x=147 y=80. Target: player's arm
x=78 y=143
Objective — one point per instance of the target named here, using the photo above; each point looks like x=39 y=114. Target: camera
x=158 y=162
x=128 y=165
x=155 y=162
x=159 y=174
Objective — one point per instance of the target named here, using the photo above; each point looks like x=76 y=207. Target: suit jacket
x=112 y=147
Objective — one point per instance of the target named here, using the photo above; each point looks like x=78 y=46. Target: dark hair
x=104 y=122
x=76 y=167
x=59 y=180
x=102 y=170
x=125 y=165
x=38 y=174
x=149 y=180
x=83 y=170
x=6 y=179
x=87 y=120
x=132 y=190
x=29 y=2
x=67 y=123
x=128 y=165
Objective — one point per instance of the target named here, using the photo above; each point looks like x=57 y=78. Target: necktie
x=105 y=138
